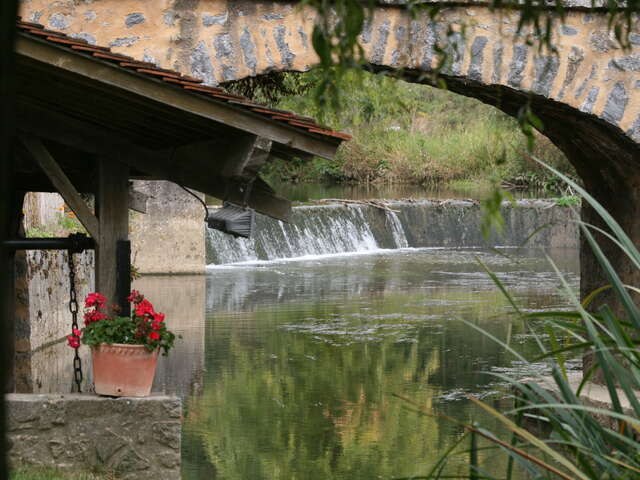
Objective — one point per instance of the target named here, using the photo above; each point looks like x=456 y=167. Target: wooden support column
x=112 y=208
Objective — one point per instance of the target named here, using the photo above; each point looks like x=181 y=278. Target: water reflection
x=182 y=299
x=296 y=362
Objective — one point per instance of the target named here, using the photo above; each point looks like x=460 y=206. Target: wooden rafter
x=62 y=183
x=161 y=164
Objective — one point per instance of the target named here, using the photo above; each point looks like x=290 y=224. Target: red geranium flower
x=95 y=300
x=154 y=336
x=158 y=317
x=93 y=316
x=73 y=341
x=135 y=297
x=143 y=308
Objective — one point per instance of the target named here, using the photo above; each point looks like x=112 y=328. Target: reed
x=581 y=441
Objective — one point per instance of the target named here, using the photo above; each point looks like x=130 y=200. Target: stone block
x=132 y=437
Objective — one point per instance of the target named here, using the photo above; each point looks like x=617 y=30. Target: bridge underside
x=606 y=160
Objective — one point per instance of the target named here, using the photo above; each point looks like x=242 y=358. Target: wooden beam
x=113 y=214
x=262 y=197
x=188 y=165
x=260 y=153
x=123 y=83
x=64 y=186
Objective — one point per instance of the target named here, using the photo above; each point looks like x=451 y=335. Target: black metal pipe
x=86 y=243
x=123 y=276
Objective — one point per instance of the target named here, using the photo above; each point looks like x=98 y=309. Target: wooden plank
x=112 y=202
x=59 y=180
x=126 y=82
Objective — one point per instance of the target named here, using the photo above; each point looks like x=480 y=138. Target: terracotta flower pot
x=123 y=370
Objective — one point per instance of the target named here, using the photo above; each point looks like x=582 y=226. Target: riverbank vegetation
x=413 y=134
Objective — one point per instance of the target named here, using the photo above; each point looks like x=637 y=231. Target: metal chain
x=73 y=308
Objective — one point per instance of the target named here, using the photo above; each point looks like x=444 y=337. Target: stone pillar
x=169 y=238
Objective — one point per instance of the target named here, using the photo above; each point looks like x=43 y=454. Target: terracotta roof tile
x=113 y=56
x=90 y=48
x=185 y=82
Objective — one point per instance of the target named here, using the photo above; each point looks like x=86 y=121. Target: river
x=291 y=369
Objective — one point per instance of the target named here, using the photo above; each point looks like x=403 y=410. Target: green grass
x=35 y=473
x=409 y=133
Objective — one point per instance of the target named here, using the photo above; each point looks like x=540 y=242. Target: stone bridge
x=587 y=95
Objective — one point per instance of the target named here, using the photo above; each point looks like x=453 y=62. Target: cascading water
x=399 y=237
x=335 y=229
x=313 y=231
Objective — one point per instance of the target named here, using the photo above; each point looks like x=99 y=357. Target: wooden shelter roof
x=85 y=101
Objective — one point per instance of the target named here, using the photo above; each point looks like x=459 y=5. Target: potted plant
x=124 y=350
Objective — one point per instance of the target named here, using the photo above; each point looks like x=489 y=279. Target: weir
x=335 y=229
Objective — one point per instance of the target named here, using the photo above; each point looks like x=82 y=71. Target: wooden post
x=112 y=203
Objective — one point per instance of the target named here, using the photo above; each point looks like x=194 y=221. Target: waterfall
x=312 y=231
x=399 y=236
x=337 y=229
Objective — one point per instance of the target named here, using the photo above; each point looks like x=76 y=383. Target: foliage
x=568 y=201
x=69 y=223
x=37 y=232
x=492 y=219
x=409 y=133
x=270 y=88
x=64 y=225
x=145 y=326
x=584 y=441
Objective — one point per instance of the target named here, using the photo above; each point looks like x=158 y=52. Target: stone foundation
x=136 y=438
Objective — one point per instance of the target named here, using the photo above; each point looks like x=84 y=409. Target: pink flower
x=77 y=333
x=154 y=336
x=143 y=308
x=95 y=300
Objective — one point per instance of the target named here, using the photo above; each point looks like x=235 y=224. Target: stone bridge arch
x=587 y=95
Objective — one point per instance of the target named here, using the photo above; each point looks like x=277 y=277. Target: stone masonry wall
x=42 y=317
x=220 y=41
x=136 y=438
x=169 y=238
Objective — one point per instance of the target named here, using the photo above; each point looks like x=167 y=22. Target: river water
x=292 y=369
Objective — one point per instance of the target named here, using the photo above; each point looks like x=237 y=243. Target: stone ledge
x=132 y=437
